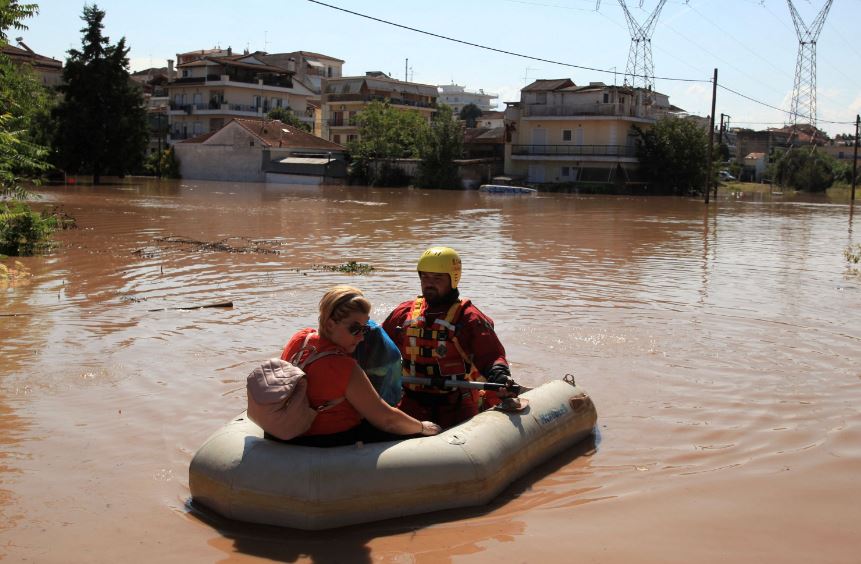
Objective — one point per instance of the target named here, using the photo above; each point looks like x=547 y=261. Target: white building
x=457 y=97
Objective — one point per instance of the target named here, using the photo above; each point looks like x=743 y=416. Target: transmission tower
x=640 y=68
x=804 y=90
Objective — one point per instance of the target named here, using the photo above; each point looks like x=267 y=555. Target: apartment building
x=561 y=132
x=212 y=87
x=458 y=96
x=344 y=98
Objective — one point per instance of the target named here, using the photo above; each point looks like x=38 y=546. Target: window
x=566 y=171
x=337 y=139
x=541 y=98
x=606 y=97
x=352 y=137
x=566 y=135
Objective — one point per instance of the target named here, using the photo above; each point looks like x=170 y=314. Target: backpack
x=277 y=400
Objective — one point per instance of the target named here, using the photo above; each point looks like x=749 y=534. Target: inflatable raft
x=240 y=475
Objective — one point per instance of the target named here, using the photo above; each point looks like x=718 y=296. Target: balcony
x=623 y=151
x=373 y=98
x=596 y=109
x=266 y=80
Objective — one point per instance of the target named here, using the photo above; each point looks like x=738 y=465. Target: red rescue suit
x=453 y=340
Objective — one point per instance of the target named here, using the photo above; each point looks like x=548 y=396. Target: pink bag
x=277 y=399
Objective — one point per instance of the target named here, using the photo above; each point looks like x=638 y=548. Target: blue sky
x=753 y=44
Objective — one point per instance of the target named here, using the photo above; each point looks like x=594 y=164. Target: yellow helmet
x=444 y=260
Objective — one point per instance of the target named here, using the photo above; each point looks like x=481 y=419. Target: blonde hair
x=339 y=302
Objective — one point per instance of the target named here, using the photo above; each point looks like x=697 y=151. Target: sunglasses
x=357 y=328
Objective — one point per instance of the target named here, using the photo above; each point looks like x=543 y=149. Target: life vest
x=433 y=351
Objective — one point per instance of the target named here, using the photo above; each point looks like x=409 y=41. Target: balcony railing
x=575 y=150
x=372 y=98
x=282 y=82
x=596 y=109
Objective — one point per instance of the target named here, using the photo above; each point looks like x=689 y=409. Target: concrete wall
x=220 y=162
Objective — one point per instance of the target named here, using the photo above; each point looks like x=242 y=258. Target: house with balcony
x=310 y=68
x=344 y=98
x=563 y=133
x=457 y=97
x=214 y=88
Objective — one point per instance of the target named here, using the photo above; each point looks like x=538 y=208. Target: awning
x=315 y=64
x=305 y=160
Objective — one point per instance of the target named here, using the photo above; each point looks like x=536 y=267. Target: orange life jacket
x=433 y=351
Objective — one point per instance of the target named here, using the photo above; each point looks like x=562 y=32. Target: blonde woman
x=354 y=410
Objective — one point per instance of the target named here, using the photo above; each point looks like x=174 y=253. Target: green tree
x=673 y=156
x=286 y=116
x=469 y=113
x=385 y=133
x=806 y=169
x=102 y=126
x=439 y=146
x=22 y=158
x=22 y=98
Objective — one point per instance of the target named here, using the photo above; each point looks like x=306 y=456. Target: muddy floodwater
x=721 y=346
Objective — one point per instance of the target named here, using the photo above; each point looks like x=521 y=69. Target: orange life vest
x=433 y=351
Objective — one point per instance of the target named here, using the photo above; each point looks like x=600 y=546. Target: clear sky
x=752 y=43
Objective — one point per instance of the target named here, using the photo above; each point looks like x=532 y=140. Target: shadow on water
x=351 y=544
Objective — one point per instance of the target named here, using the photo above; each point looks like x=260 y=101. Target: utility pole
x=406 y=76
x=711 y=139
x=722 y=126
x=855 y=157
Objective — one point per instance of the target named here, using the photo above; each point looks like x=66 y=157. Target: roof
x=543 y=85
x=491 y=115
x=318 y=56
x=484 y=135
x=233 y=61
x=754 y=156
x=273 y=133
x=31 y=56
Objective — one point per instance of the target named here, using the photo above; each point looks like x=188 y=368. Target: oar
x=449 y=383
x=202 y=306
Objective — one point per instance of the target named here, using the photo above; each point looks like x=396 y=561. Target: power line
x=494 y=49
x=512 y=53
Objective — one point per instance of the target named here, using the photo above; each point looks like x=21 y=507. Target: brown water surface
x=721 y=346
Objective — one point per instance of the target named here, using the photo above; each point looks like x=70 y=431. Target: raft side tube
x=242 y=476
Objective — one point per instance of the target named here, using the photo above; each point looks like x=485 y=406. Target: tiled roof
x=543 y=85
x=273 y=133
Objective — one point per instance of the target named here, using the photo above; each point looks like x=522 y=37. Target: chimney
x=170 y=74
x=291 y=64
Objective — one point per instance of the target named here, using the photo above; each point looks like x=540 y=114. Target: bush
x=168 y=162
x=805 y=169
x=24 y=232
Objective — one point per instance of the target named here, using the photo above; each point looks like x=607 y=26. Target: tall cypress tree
x=102 y=125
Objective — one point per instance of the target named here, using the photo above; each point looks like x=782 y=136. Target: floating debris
x=351 y=267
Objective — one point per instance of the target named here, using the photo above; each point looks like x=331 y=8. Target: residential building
x=257 y=150
x=49 y=71
x=153 y=83
x=490 y=120
x=309 y=68
x=754 y=166
x=214 y=88
x=344 y=98
x=458 y=96
x=561 y=132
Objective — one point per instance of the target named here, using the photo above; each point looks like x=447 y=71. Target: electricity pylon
x=804 y=90
x=640 y=68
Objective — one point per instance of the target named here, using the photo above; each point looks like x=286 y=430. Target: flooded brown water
x=722 y=347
